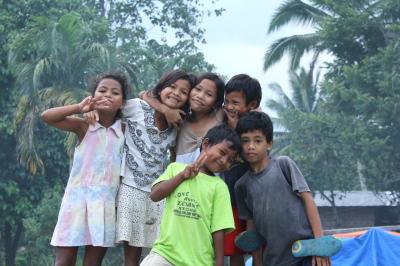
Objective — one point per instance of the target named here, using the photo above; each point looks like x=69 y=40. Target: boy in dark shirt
x=274 y=197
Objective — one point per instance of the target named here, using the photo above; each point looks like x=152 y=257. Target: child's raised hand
x=174 y=116
x=232 y=117
x=86 y=105
x=193 y=169
x=100 y=102
x=91 y=117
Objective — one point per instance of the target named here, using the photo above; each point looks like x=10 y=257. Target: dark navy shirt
x=232 y=176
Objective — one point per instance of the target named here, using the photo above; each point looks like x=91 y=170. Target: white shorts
x=154 y=259
x=138 y=217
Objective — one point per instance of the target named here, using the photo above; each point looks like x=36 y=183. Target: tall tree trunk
x=11 y=241
x=361 y=177
x=332 y=202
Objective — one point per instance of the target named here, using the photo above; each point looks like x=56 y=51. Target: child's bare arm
x=312 y=214
x=60 y=117
x=173 y=116
x=218 y=240
x=148 y=97
x=257 y=255
x=315 y=222
x=163 y=189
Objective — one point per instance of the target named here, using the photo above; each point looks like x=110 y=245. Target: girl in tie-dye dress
x=87 y=214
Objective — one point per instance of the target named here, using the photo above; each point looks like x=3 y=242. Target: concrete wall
x=354 y=217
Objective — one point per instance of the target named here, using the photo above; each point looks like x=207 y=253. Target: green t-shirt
x=196 y=208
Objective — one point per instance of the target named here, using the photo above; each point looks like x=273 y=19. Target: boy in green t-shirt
x=197 y=210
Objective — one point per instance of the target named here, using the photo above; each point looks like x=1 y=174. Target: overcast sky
x=237 y=40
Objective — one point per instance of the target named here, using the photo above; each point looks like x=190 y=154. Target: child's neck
x=257 y=167
x=200 y=122
x=206 y=171
x=198 y=116
x=106 y=120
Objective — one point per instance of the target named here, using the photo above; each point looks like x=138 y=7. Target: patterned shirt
x=146 y=150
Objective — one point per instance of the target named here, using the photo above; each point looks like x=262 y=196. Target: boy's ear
x=204 y=144
x=269 y=143
x=252 y=105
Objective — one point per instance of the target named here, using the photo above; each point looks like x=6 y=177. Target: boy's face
x=220 y=156
x=235 y=104
x=255 y=146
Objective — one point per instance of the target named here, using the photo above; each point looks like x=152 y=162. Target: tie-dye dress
x=87 y=213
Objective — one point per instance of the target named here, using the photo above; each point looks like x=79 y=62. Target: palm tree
x=297 y=45
x=305 y=93
x=157 y=58
x=52 y=61
x=304 y=104
x=304 y=99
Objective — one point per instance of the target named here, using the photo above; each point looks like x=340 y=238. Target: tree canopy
x=353 y=134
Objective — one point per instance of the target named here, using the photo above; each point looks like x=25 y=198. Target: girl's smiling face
x=203 y=96
x=175 y=95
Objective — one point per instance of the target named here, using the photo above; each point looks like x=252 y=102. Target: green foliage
x=370 y=94
x=39 y=226
x=297 y=45
x=20 y=191
x=355 y=123
x=311 y=133
x=298 y=11
x=156 y=59
x=51 y=70
x=363 y=84
x=54 y=55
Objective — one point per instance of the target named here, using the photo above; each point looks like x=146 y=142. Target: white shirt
x=146 y=149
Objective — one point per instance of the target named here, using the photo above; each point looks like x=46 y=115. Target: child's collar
x=116 y=127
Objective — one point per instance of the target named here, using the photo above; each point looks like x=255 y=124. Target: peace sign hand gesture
x=193 y=169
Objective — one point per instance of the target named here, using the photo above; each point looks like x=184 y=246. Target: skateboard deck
x=325 y=246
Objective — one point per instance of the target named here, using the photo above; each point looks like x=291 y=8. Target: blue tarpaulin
x=374 y=248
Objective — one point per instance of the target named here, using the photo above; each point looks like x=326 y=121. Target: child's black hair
x=170 y=78
x=222 y=133
x=256 y=121
x=249 y=86
x=219 y=84
x=117 y=76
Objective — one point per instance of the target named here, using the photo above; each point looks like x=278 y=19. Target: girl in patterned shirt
x=148 y=139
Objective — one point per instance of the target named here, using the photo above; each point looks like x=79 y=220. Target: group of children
x=221 y=181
